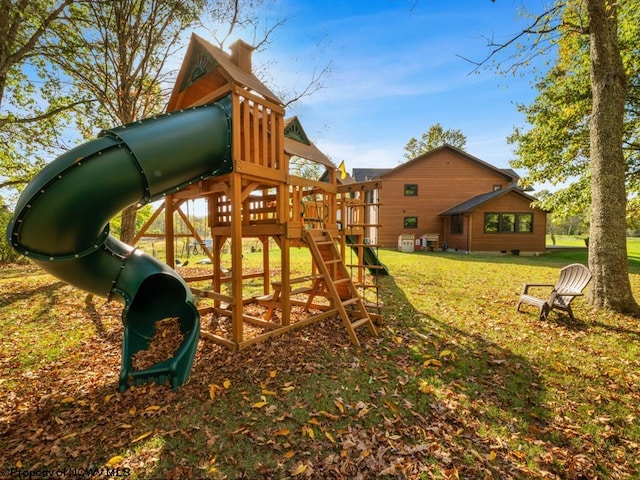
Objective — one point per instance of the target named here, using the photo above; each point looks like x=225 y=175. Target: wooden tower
x=260 y=199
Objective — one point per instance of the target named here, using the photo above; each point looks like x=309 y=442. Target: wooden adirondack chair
x=573 y=279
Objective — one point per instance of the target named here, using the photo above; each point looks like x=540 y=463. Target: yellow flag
x=343 y=170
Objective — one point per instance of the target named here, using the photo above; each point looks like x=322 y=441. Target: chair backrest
x=573 y=278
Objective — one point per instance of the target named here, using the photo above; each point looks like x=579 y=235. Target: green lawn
x=567 y=240
x=456 y=385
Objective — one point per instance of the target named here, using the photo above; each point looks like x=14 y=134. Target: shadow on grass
x=13 y=297
x=612 y=328
x=550 y=259
x=455 y=394
x=557 y=258
x=94 y=315
x=490 y=392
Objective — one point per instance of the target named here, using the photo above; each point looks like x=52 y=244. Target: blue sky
x=397 y=70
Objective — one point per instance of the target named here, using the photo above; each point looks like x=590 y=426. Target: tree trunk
x=610 y=287
x=128 y=227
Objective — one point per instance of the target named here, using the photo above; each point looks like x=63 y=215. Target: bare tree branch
x=314 y=85
x=13 y=183
x=540 y=26
x=45 y=115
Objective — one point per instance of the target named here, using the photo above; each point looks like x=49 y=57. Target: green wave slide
x=61 y=222
x=370 y=257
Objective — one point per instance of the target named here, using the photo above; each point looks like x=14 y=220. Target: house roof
x=474 y=202
x=366 y=174
x=509 y=174
x=341 y=181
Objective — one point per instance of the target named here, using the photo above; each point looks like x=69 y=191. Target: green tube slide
x=61 y=222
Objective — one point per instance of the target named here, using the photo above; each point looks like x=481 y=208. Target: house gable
x=422 y=188
x=199 y=64
x=472 y=204
x=438 y=159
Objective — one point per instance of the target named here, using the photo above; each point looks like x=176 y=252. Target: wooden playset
x=260 y=199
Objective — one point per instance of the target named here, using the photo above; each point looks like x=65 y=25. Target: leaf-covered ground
x=456 y=385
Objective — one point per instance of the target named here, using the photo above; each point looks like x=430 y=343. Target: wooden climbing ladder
x=342 y=291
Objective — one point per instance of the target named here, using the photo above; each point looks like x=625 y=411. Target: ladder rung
x=366 y=285
x=373 y=305
x=371 y=267
x=360 y=322
x=376 y=319
x=350 y=301
x=323 y=258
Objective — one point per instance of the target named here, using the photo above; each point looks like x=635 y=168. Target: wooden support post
x=285 y=268
x=331 y=202
x=266 y=273
x=170 y=255
x=344 y=211
x=218 y=243
x=236 y=257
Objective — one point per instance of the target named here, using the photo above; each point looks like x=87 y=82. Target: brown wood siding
x=508 y=242
x=444 y=180
x=458 y=241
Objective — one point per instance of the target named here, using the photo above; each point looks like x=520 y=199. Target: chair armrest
x=526 y=286
x=555 y=294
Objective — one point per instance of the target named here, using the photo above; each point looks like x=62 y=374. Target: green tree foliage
x=35 y=99
x=117 y=54
x=7 y=253
x=305 y=168
x=560 y=221
x=583 y=116
x=121 y=50
x=143 y=214
x=555 y=147
x=435 y=137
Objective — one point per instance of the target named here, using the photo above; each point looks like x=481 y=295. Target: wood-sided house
x=467 y=204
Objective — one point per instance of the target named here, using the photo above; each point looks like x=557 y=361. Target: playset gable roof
x=297 y=143
x=203 y=58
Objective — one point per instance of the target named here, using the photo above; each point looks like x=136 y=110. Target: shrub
x=7 y=253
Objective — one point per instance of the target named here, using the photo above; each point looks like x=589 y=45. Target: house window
x=491 y=222
x=411 y=190
x=457 y=224
x=508 y=222
x=525 y=223
x=410 y=222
